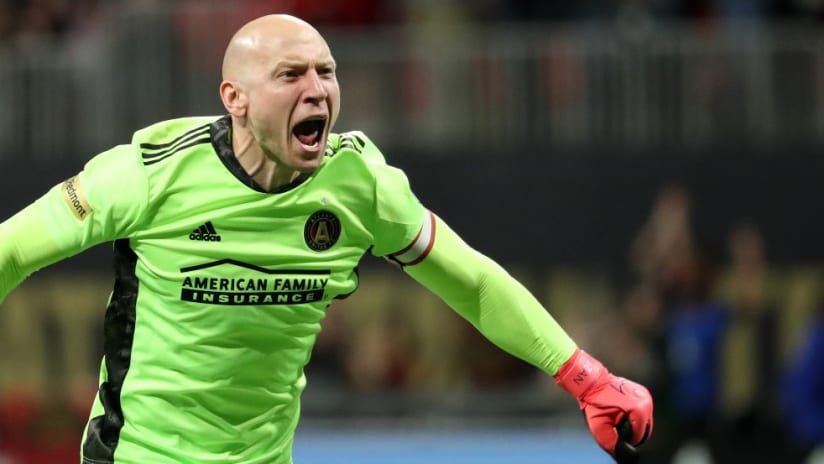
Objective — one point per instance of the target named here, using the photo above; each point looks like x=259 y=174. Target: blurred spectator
x=18 y=411
x=381 y=357
x=642 y=313
x=8 y=14
x=749 y=419
x=30 y=21
x=694 y=329
x=662 y=251
x=529 y=10
x=38 y=432
x=804 y=393
x=45 y=17
x=342 y=13
x=674 y=309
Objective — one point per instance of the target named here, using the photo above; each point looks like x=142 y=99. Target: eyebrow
x=302 y=64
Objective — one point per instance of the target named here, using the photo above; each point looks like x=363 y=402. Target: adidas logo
x=206 y=233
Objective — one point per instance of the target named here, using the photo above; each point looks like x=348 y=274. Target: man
x=233 y=234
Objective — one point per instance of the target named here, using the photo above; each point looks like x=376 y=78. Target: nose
x=315 y=89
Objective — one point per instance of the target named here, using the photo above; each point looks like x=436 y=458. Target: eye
x=288 y=74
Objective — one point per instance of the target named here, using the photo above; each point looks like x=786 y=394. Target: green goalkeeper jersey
x=220 y=286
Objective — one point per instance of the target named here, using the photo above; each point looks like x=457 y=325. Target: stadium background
x=626 y=160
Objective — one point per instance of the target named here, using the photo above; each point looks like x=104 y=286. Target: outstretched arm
x=26 y=245
x=506 y=313
x=484 y=294
x=43 y=233
x=99 y=204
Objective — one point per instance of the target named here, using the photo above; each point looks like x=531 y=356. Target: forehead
x=302 y=47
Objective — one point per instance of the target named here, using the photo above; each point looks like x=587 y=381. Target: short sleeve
x=400 y=218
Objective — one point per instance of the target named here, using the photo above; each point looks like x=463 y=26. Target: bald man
x=233 y=234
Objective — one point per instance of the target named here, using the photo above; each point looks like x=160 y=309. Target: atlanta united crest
x=322 y=230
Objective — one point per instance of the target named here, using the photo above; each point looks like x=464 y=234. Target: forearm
x=11 y=267
x=27 y=244
x=502 y=309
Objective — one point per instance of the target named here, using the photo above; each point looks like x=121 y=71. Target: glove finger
x=625 y=453
x=638 y=426
x=603 y=430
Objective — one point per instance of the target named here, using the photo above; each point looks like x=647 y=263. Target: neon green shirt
x=220 y=287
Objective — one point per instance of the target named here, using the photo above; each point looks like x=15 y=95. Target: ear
x=234 y=99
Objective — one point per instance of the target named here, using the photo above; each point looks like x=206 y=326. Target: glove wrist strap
x=579 y=373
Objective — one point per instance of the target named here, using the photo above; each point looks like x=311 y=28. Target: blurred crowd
x=57 y=18
x=731 y=369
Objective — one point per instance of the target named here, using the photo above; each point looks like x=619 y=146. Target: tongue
x=308 y=139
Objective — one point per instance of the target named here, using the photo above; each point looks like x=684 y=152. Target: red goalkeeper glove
x=618 y=411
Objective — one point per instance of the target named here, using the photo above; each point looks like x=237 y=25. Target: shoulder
x=152 y=144
x=164 y=132
x=357 y=151
x=165 y=138
x=354 y=143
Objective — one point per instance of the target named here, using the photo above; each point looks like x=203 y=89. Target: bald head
x=261 y=38
x=280 y=88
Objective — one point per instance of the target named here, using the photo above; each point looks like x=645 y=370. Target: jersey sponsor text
x=252 y=291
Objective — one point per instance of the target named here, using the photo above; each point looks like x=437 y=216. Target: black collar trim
x=221 y=134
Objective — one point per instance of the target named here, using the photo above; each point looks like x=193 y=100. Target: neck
x=267 y=173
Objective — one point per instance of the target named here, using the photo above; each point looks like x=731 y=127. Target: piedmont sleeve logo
x=322 y=230
x=75 y=198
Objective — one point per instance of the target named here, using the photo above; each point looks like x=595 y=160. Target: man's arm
x=26 y=245
x=506 y=313
x=484 y=294
x=41 y=234
x=99 y=204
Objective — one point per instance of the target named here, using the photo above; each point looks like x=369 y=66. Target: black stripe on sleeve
x=176 y=146
x=186 y=135
x=176 y=150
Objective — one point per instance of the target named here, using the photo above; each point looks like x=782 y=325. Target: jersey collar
x=221 y=134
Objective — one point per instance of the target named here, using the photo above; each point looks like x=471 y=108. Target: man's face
x=293 y=99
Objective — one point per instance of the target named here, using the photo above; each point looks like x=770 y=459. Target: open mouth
x=308 y=131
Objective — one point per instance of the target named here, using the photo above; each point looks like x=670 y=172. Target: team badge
x=322 y=230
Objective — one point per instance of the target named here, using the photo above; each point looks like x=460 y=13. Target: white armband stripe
x=421 y=245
